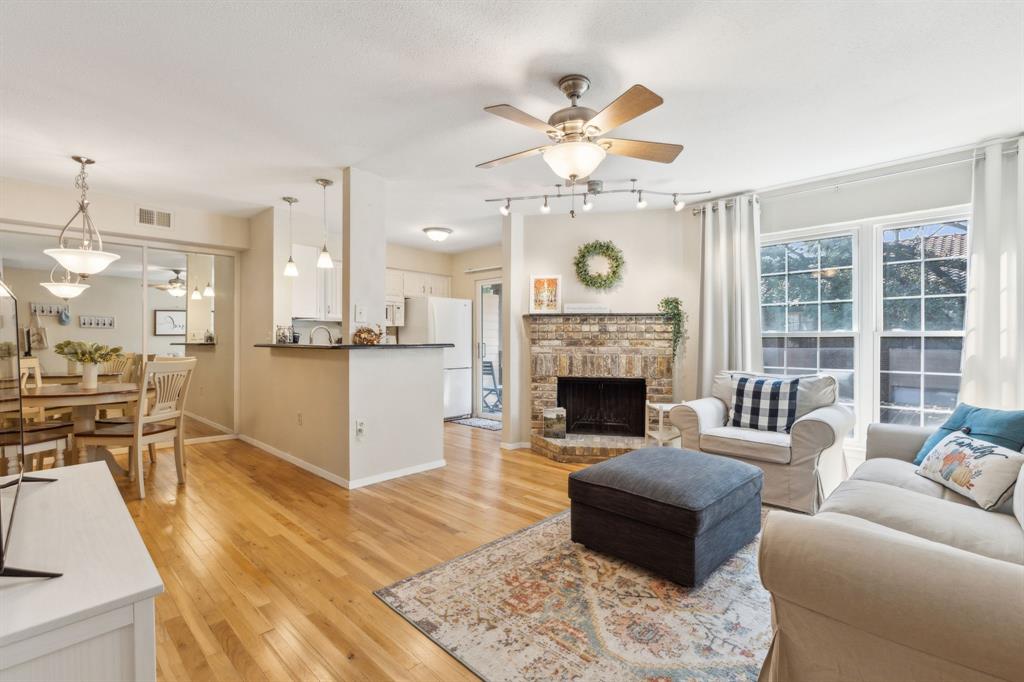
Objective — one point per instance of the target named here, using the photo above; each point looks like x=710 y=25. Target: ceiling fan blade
x=513 y=157
x=507 y=111
x=630 y=104
x=648 y=151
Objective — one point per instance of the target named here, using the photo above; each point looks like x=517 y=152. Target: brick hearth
x=600 y=345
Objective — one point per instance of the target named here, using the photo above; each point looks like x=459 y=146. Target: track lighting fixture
x=594 y=188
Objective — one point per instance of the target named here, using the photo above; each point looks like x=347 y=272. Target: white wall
x=888 y=191
x=419 y=260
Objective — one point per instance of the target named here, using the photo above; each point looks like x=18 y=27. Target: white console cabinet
x=96 y=621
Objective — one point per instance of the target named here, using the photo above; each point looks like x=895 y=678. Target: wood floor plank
x=270 y=571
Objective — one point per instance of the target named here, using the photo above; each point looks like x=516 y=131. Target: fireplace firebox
x=603 y=405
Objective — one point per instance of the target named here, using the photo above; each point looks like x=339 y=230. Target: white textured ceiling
x=230 y=105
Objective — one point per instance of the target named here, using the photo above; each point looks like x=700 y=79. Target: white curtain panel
x=993 y=374
x=730 y=330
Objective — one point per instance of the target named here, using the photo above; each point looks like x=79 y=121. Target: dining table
x=83 y=403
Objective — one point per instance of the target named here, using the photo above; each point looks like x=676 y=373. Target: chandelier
x=65 y=289
x=88 y=258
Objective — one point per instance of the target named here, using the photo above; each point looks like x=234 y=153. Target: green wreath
x=597 y=280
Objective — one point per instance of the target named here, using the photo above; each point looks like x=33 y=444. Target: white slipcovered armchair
x=800 y=467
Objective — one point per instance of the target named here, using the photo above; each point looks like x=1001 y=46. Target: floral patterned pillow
x=984 y=472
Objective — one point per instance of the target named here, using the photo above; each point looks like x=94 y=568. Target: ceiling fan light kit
x=88 y=258
x=576 y=133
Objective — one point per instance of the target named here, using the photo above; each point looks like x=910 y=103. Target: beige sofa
x=896 y=578
x=800 y=467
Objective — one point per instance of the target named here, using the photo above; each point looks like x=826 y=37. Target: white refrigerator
x=432 y=319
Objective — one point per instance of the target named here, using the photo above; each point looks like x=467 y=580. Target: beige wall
x=463 y=283
x=30 y=203
x=212 y=394
x=420 y=260
x=276 y=386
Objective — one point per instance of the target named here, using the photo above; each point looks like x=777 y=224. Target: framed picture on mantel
x=545 y=294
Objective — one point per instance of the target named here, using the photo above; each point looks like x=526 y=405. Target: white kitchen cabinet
x=425 y=284
x=330 y=296
x=394 y=282
x=316 y=293
x=305 y=287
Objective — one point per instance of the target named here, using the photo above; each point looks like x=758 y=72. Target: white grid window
x=807 y=309
x=923 y=297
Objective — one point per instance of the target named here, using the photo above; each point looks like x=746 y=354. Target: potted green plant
x=90 y=356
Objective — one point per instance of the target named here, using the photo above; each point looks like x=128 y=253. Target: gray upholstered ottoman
x=676 y=512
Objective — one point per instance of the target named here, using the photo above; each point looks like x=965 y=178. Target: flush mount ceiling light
x=290 y=268
x=594 y=188
x=65 y=289
x=437 y=234
x=324 y=260
x=578 y=145
x=88 y=258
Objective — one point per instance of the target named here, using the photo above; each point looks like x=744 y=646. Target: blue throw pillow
x=1001 y=427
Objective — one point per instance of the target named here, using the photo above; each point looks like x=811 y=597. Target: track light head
x=640 y=201
x=587 y=203
x=677 y=205
x=544 y=208
x=507 y=208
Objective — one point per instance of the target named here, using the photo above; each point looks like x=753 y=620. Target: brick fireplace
x=632 y=346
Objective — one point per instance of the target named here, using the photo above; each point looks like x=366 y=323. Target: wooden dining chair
x=159 y=419
x=129 y=374
x=40 y=440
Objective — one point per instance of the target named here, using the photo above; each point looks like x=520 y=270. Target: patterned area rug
x=536 y=606
x=476 y=422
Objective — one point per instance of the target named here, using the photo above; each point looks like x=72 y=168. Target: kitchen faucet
x=317 y=328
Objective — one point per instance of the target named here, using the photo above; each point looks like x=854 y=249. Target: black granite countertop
x=352 y=346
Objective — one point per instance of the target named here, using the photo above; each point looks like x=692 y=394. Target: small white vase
x=90 y=374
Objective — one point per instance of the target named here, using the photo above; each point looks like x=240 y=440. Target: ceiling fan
x=577 y=134
x=175 y=286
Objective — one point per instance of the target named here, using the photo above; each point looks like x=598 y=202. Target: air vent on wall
x=153 y=217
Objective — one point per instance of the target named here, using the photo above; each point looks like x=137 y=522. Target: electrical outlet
x=298 y=418
x=360 y=428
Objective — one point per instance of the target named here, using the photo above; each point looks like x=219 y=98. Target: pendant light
x=65 y=289
x=290 y=268
x=89 y=258
x=196 y=296
x=324 y=260
x=208 y=290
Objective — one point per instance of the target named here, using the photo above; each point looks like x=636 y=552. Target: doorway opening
x=489 y=365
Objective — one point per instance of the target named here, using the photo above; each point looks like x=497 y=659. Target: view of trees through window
x=807 y=311
x=911 y=325
x=924 y=287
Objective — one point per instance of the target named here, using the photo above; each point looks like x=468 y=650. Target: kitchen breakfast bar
x=353 y=414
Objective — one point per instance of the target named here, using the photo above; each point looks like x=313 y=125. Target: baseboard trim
x=397 y=473
x=209 y=422
x=198 y=440
x=515 y=446
x=292 y=459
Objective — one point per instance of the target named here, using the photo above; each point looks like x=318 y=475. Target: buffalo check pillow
x=764 y=403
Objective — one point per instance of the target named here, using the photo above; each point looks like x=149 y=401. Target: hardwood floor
x=197 y=429
x=270 y=571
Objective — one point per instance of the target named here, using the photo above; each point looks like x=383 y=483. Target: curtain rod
x=836 y=185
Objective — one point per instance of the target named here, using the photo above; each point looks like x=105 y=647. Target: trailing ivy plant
x=596 y=280
x=672 y=308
